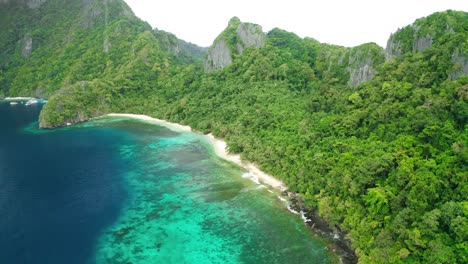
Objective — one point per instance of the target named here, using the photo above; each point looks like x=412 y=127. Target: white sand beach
x=172 y=126
x=18 y=98
x=220 y=148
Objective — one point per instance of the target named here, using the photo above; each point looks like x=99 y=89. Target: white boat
x=13 y=103
x=31 y=102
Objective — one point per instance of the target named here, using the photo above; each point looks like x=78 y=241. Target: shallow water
x=141 y=193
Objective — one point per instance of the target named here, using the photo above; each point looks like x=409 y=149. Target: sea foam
x=250 y=176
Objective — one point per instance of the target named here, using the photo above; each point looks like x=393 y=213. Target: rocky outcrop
x=399 y=43
x=336 y=239
x=363 y=73
x=218 y=57
x=232 y=41
x=362 y=61
x=393 y=47
x=251 y=35
x=460 y=68
x=27 y=46
x=61 y=109
x=422 y=43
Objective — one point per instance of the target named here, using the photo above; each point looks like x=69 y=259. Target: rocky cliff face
x=232 y=41
x=362 y=62
x=422 y=43
x=251 y=35
x=441 y=34
x=218 y=57
x=460 y=68
x=393 y=47
x=362 y=73
x=408 y=39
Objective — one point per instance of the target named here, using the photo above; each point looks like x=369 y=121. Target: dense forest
x=374 y=140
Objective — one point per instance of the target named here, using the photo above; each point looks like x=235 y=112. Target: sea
x=121 y=190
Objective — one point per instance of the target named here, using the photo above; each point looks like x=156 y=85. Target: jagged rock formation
x=422 y=43
x=408 y=39
x=231 y=42
x=392 y=48
x=365 y=72
x=351 y=66
x=361 y=63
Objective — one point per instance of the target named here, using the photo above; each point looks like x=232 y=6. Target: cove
x=119 y=190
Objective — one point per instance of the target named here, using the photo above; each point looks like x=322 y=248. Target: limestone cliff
x=218 y=56
x=362 y=62
x=408 y=39
x=362 y=73
x=231 y=42
x=440 y=33
x=460 y=67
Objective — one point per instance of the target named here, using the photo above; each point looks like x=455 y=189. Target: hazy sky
x=341 y=22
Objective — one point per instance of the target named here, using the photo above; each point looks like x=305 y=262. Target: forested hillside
x=374 y=140
x=64 y=48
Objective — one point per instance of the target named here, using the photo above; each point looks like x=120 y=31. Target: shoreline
x=338 y=244
x=220 y=149
x=17 y=98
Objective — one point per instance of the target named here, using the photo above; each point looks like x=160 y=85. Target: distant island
x=373 y=140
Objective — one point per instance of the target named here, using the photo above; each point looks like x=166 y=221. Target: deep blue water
x=58 y=190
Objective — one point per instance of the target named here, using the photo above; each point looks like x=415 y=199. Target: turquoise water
x=189 y=206
x=120 y=190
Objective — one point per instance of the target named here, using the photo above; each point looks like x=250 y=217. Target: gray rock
x=461 y=65
x=361 y=74
x=27 y=46
x=251 y=35
x=419 y=43
x=360 y=68
x=218 y=57
x=393 y=47
x=422 y=43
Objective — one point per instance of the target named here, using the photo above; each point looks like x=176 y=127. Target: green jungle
x=373 y=140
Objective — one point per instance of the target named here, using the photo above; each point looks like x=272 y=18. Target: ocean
x=121 y=190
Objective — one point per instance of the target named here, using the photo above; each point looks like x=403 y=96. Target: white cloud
x=340 y=22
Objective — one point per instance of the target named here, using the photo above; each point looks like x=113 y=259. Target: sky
x=340 y=22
